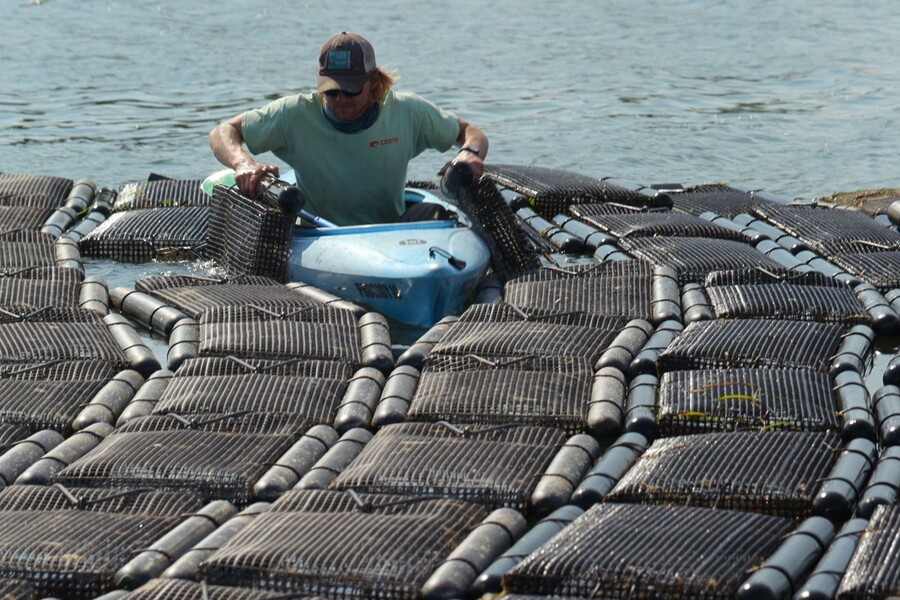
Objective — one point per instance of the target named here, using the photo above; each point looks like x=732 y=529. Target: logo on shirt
x=384 y=142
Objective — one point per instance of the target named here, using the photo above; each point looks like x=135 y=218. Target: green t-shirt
x=350 y=178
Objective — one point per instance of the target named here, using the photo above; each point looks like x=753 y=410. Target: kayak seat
x=424 y=211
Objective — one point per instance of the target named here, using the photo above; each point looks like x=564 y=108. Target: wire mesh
x=756 y=276
x=492 y=466
x=217 y=458
x=646 y=551
x=248 y=237
x=728 y=399
x=317 y=332
x=161 y=193
x=141 y=235
x=652 y=224
x=831 y=232
x=500 y=330
x=50 y=395
x=32 y=288
x=752 y=343
x=218 y=386
x=611 y=208
x=74 y=551
x=770 y=472
x=694 y=258
x=881 y=269
x=21 y=249
x=177 y=589
x=616 y=288
x=551 y=191
x=788 y=301
x=872 y=571
x=10 y=434
x=723 y=200
x=23 y=217
x=343 y=545
x=33 y=190
x=474 y=391
x=215 y=367
x=512 y=251
x=611 y=269
x=194 y=295
x=58 y=334
x=16 y=589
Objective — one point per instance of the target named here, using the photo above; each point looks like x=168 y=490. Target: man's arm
x=227 y=143
x=471 y=137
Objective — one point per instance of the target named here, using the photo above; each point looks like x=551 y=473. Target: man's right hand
x=247 y=176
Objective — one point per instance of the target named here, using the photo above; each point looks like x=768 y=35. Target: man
x=350 y=142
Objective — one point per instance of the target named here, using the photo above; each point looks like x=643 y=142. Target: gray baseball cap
x=345 y=63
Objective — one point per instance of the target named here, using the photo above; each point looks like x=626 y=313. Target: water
x=794 y=97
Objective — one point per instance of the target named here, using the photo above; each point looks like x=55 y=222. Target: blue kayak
x=415 y=273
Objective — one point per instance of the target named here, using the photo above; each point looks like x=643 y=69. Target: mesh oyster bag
x=501 y=330
x=714 y=470
x=217 y=458
x=161 y=193
x=178 y=589
x=219 y=386
x=694 y=258
x=316 y=332
x=881 y=269
x=69 y=544
x=616 y=288
x=248 y=236
x=752 y=343
x=23 y=217
x=344 y=545
x=829 y=231
x=491 y=466
x=705 y=400
x=471 y=390
x=21 y=249
x=142 y=235
x=551 y=191
x=10 y=434
x=651 y=224
x=647 y=551
x=512 y=250
x=788 y=301
x=33 y=190
x=58 y=334
x=872 y=572
x=51 y=394
x=720 y=199
x=194 y=295
x=36 y=287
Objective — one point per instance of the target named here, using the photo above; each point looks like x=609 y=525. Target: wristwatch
x=473 y=149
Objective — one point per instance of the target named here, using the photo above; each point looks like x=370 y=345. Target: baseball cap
x=345 y=63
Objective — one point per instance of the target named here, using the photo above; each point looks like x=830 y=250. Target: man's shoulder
x=301 y=100
x=404 y=97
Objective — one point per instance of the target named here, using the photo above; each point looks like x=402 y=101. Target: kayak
x=414 y=273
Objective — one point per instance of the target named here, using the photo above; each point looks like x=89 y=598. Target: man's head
x=345 y=63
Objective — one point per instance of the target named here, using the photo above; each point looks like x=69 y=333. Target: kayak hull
x=414 y=273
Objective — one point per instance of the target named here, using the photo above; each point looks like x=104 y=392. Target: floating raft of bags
x=679 y=410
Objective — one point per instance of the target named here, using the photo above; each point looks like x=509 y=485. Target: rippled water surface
x=795 y=97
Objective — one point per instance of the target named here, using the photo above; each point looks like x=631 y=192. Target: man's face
x=349 y=108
